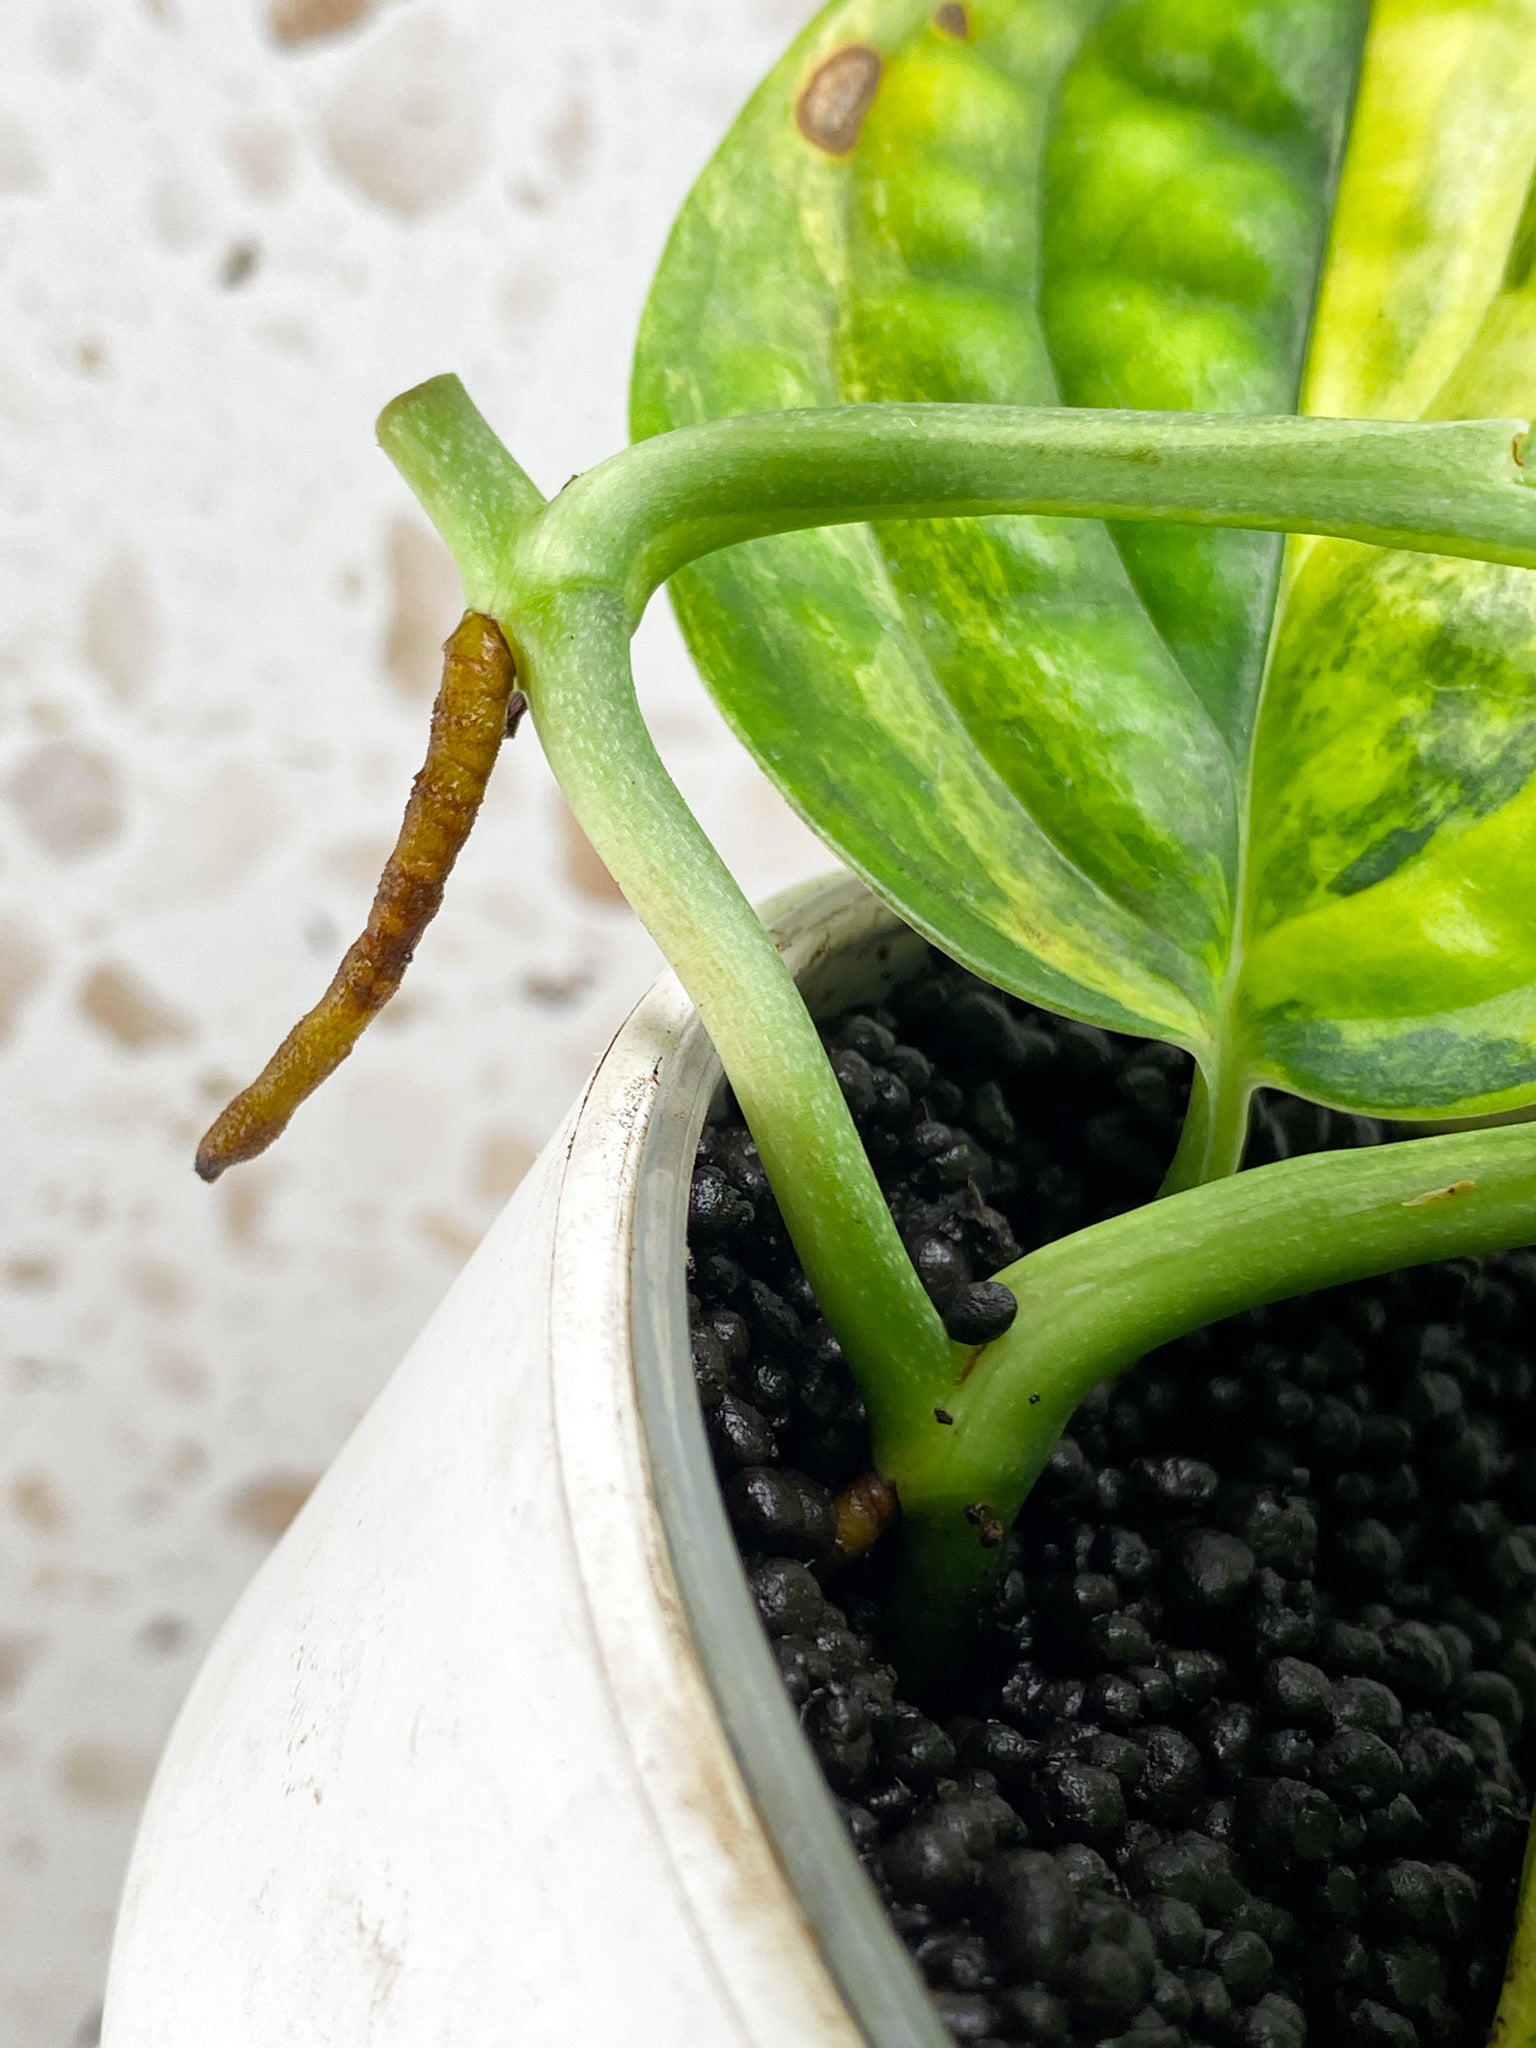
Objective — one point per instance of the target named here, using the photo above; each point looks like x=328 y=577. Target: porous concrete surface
x=229 y=230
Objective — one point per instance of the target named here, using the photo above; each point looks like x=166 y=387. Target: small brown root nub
x=469 y=719
x=989 y=1530
x=865 y=1510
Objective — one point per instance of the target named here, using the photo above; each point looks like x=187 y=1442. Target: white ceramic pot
x=493 y=1750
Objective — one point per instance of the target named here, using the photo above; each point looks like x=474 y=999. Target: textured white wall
x=229 y=230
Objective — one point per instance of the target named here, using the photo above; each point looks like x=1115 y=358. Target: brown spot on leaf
x=21 y=969
x=119 y=1004
x=267 y=1505
x=107 y=1773
x=583 y=863
x=425 y=604
x=830 y=110
x=121 y=631
x=68 y=798
x=301 y=21
x=953 y=19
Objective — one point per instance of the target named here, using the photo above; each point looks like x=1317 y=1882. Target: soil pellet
x=981 y=1312
x=1241 y=1757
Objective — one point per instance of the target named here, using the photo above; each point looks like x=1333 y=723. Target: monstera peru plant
x=988 y=368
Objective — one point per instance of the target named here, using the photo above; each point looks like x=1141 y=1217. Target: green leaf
x=1268 y=803
x=1390 y=946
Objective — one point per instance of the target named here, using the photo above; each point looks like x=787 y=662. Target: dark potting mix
x=1243 y=1753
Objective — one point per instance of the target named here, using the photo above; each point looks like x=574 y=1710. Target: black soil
x=1243 y=1757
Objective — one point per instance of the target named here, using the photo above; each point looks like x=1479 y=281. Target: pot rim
x=513 y=1598
x=844 y=947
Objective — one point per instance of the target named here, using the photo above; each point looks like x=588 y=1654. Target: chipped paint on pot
x=493 y=1749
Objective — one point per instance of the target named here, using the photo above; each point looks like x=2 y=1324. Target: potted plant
x=1013 y=337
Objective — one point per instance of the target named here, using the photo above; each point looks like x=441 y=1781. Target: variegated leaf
x=1270 y=805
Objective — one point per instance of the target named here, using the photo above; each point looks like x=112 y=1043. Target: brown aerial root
x=476 y=706
x=865 y=1509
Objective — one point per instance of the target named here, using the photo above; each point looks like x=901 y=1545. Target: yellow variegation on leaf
x=1273 y=801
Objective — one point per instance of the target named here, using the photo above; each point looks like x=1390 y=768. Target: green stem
x=572 y=649
x=1215 y=1130
x=1441 y=487
x=470 y=486
x=1092 y=1304
x=569 y=581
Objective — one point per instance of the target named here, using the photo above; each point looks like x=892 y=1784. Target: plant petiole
x=1215 y=1130
x=1093 y=1303
x=568 y=581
